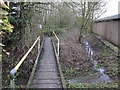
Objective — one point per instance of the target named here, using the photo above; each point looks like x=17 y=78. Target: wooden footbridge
x=47 y=71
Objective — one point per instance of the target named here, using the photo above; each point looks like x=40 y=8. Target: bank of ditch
x=77 y=67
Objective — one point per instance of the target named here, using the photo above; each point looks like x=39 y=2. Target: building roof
x=113 y=17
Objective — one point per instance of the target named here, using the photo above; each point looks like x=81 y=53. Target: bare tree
x=86 y=13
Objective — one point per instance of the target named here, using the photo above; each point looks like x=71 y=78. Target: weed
x=92 y=85
x=97 y=66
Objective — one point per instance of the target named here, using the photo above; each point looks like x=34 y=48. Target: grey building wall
x=108 y=30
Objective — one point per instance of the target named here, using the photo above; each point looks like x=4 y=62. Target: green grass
x=69 y=71
x=92 y=85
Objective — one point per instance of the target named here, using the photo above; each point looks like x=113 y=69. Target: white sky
x=112 y=8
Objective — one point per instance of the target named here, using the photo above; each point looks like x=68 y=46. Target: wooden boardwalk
x=47 y=75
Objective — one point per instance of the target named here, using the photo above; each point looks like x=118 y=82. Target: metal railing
x=58 y=63
x=14 y=70
x=57 y=44
x=47 y=28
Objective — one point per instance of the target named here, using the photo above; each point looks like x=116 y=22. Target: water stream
x=100 y=76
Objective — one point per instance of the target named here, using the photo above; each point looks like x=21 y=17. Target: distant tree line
x=26 y=17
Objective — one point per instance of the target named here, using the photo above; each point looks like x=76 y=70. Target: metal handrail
x=14 y=70
x=58 y=63
x=57 y=44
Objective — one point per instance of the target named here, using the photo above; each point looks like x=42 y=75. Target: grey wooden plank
x=47 y=86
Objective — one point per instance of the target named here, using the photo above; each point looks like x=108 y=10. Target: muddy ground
x=76 y=63
x=10 y=61
x=73 y=56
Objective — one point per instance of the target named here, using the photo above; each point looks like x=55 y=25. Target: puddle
x=97 y=77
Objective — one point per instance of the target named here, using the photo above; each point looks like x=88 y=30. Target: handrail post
x=12 y=78
x=57 y=44
x=58 y=47
x=39 y=44
x=12 y=83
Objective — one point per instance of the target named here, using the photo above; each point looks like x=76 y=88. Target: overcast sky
x=112 y=8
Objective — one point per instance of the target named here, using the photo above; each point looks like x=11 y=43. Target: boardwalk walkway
x=47 y=76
